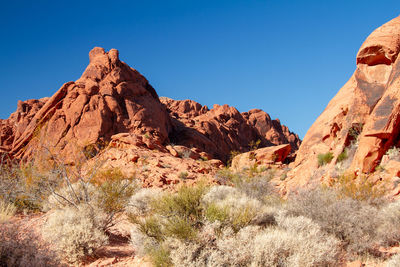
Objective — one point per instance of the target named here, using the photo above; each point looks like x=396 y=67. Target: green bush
x=342 y=156
x=215 y=213
x=159 y=256
x=184 y=204
x=183 y=175
x=324 y=158
x=180 y=228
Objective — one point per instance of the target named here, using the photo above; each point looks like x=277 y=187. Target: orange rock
x=356 y=263
x=223 y=128
x=366 y=110
x=113 y=111
x=262 y=156
x=109 y=98
x=172 y=151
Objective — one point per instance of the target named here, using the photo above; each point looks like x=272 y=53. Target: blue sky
x=288 y=58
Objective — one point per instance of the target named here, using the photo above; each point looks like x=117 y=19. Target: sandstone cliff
x=362 y=120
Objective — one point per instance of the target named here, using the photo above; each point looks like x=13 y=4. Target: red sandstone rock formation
x=109 y=98
x=267 y=156
x=224 y=129
x=365 y=113
x=272 y=130
x=12 y=128
x=113 y=102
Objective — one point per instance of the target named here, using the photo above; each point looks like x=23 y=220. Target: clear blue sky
x=288 y=58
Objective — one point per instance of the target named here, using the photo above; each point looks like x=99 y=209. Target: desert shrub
x=232 y=154
x=253 y=145
x=180 y=213
x=7 y=210
x=359 y=188
x=146 y=244
x=109 y=191
x=159 y=256
x=324 y=158
x=214 y=213
x=19 y=247
x=10 y=183
x=177 y=215
x=141 y=241
x=219 y=193
x=71 y=195
x=236 y=208
x=257 y=246
x=76 y=232
x=393 y=153
x=25 y=186
x=185 y=154
x=352 y=221
x=389 y=228
x=151 y=226
x=114 y=193
x=180 y=228
x=225 y=249
x=218 y=226
x=258 y=187
x=139 y=203
x=227 y=177
x=394 y=261
x=297 y=242
x=342 y=156
x=345 y=158
x=183 y=175
x=355 y=130
x=185 y=203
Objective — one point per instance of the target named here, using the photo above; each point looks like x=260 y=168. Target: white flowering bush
x=76 y=232
x=394 y=261
x=393 y=153
x=388 y=230
x=139 y=203
x=297 y=241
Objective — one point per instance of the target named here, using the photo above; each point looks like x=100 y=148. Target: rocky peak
x=109 y=98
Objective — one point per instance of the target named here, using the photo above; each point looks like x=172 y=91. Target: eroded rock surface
x=267 y=157
x=364 y=115
x=223 y=129
x=112 y=113
x=109 y=98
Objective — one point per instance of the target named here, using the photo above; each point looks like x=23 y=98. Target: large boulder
x=267 y=156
